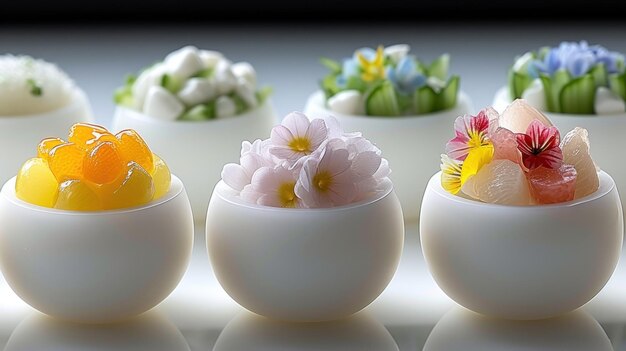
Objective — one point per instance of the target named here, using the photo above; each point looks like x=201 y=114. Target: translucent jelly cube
x=78 y=195
x=161 y=177
x=44 y=147
x=86 y=136
x=66 y=162
x=499 y=182
x=36 y=184
x=133 y=148
x=575 y=146
x=103 y=164
x=136 y=189
x=550 y=186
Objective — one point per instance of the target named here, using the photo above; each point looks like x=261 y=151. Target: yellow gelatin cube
x=136 y=189
x=44 y=147
x=36 y=184
x=66 y=162
x=161 y=177
x=133 y=148
x=103 y=164
x=77 y=195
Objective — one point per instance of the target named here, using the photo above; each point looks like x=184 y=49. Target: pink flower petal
x=366 y=164
x=235 y=176
x=316 y=133
x=297 y=123
x=281 y=136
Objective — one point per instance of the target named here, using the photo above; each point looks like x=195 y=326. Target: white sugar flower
x=327 y=181
x=297 y=137
x=274 y=186
x=253 y=156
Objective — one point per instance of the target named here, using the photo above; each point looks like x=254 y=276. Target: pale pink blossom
x=253 y=156
x=274 y=186
x=296 y=137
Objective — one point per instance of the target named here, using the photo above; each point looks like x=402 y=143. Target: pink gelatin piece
x=549 y=186
x=505 y=146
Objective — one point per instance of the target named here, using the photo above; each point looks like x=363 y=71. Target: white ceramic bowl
x=20 y=135
x=463 y=330
x=411 y=144
x=151 y=331
x=521 y=262
x=605 y=132
x=98 y=266
x=247 y=332
x=304 y=264
x=197 y=151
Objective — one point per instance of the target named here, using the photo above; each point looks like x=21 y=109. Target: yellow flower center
x=477 y=139
x=300 y=144
x=286 y=195
x=374 y=69
x=323 y=181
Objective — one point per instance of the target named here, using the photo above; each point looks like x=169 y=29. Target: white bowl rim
x=606 y=186
x=317 y=98
x=8 y=192
x=78 y=98
x=226 y=193
x=504 y=92
x=142 y=117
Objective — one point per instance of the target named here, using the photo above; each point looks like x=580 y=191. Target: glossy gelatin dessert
x=93 y=170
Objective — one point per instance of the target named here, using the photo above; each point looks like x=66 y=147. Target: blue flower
x=405 y=76
x=575 y=58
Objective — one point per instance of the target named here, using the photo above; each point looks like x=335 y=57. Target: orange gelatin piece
x=133 y=148
x=88 y=135
x=44 y=147
x=103 y=164
x=66 y=162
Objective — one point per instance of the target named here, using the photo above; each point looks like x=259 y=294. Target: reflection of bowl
x=197 y=151
x=95 y=266
x=412 y=144
x=604 y=132
x=251 y=332
x=148 y=332
x=304 y=264
x=521 y=262
x=463 y=330
x=19 y=135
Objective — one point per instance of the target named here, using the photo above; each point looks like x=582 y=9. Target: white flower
x=347 y=102
x=275 y=187
x=397 y=52
x=161 y=104
x=327 y=181
x=297 y=137
x=253 y=156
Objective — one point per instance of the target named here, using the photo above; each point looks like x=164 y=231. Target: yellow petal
x=378 y=61
x=476 y=159
x=450 y=174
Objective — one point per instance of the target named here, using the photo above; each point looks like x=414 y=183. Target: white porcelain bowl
x=605 y=132
x=247 y=332
x=197 y=151
x=149 y=332
x=98 y=266
x=20 y=135
x=463 y=330
x=412 y=144
x=304 y=264
x=521 y=262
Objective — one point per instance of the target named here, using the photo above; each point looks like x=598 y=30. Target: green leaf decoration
x=329 y=86
x=200 y=112
x=170 y=83
x=356 y=83
x=448 y=96
x=518 y=82
x=205 y=73
x=559 y=79
x=439 y=67
x=263 y=93
x=425 y=100
x=382 y=100
x=240 y=104
x=617 y=83
x=578 y=96
x=332 y=65
x=547 y=91
x=35 y=89
x=599 y=75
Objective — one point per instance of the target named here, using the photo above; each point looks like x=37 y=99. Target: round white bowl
x=521 y=262
x=95 y=267
x=197 y=151
x=411 y=144
x=304 y=264
x=360 y=332
x=20 y=135
x=463 y=330
x=605 y=132
x=151 y=331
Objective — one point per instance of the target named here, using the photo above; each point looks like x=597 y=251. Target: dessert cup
x=95 y=267
x=603 y=130
x=19 y=135
x=411 y=144
x=521 y=262
x=304 y=264
x=197 y=151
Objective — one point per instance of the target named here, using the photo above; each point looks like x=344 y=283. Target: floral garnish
x=540 y=146
x=193 y=85
x=388 y=82
x=490 y=163
x=571 y=78
x=308 y=164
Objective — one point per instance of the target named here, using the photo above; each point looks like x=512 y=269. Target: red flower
x=540 y=146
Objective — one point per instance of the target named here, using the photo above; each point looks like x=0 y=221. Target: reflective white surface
x=287 y=58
